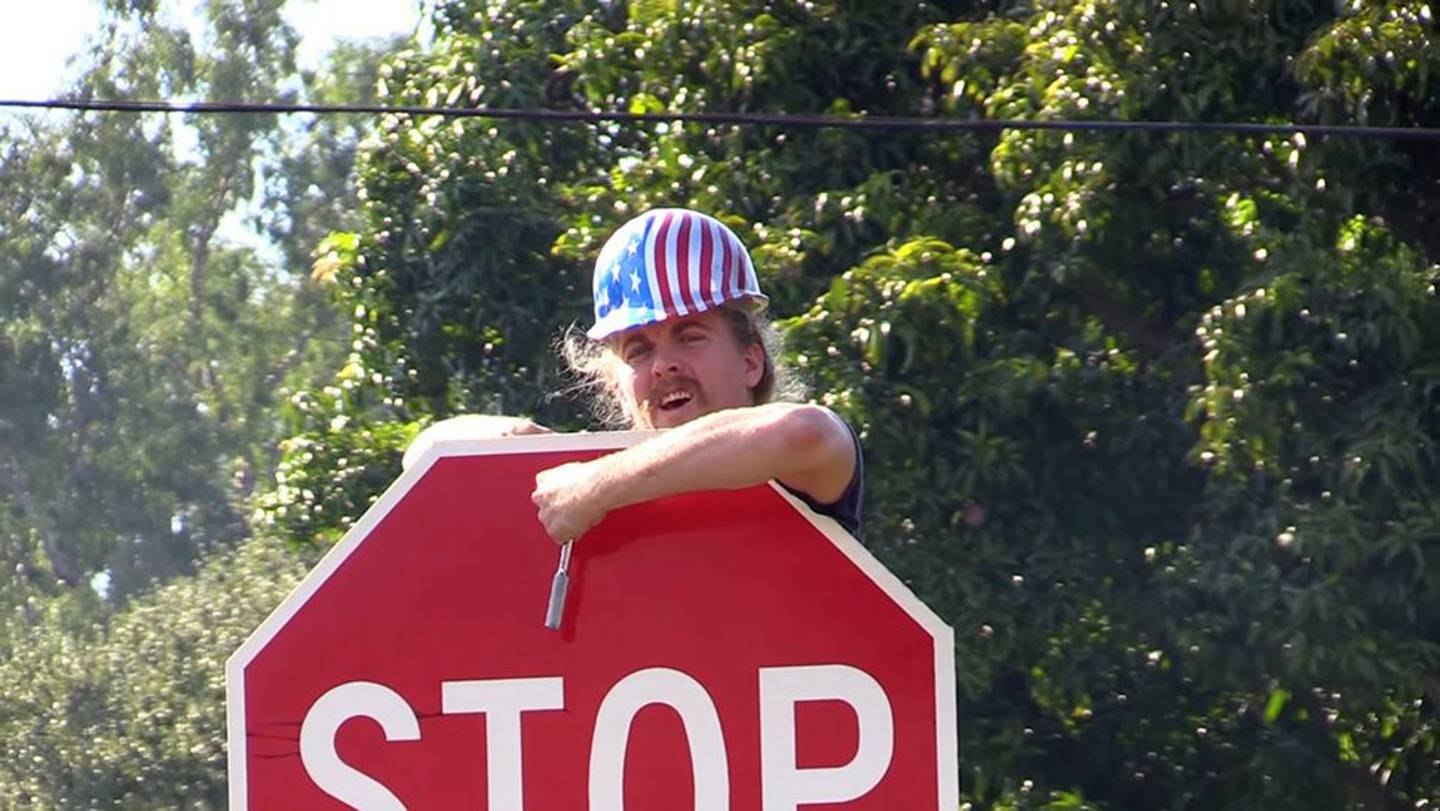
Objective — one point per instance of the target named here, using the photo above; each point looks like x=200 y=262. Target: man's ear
x=754 y=364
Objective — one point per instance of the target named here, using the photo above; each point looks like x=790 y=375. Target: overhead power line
x=911 y=123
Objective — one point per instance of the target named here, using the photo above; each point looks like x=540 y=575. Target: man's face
x=683 y=368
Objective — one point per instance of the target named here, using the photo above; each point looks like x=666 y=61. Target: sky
x=39 y=36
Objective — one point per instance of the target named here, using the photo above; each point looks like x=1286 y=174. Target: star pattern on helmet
x=624 y=284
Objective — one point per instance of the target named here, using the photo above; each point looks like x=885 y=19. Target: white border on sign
x=291 y=605
x=946 y=741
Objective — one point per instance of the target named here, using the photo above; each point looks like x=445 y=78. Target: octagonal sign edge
x=945 y=742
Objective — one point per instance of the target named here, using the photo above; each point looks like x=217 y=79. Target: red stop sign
x=719 y=650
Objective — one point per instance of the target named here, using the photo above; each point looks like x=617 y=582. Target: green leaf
x=1276 y=704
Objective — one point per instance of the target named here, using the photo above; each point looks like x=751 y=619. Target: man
x=679 y=346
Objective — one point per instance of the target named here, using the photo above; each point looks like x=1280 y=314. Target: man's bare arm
x=804 y=447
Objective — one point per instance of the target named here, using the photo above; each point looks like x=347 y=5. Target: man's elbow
x=813 y=436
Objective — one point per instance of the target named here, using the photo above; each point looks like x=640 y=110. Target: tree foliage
x=146 y=347
x=1149 y=419
x=142 y=346
x=131 y=713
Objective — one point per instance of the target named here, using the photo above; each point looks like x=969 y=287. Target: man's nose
x=665 y=362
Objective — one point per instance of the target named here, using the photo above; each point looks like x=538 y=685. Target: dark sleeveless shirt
x=848 y=509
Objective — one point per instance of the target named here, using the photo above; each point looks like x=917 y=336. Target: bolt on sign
x=718 y=651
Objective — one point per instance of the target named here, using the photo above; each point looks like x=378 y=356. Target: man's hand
x=569 y=500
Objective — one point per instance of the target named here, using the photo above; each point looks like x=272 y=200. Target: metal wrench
x=559 y=584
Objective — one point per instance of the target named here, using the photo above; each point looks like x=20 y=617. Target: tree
x=131 y=714
x=152 y=349
x=144 y=355
x=1150 y=419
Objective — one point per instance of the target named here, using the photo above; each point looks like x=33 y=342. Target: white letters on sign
x=784 y=786
x=356 y=699
x=681 y=693
x=502 y=701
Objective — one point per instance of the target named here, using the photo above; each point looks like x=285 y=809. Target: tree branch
x=1151 y=339
x=12 y=477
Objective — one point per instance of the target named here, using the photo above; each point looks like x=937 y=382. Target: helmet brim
x=620 y=321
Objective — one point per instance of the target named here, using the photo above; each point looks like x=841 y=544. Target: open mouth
x=675 y=399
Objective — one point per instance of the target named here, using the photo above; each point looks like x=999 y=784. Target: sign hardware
x=559 y=584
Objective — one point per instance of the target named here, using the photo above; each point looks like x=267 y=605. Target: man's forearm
x=799 y=445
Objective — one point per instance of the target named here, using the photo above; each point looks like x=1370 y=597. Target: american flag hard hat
x=666 y=263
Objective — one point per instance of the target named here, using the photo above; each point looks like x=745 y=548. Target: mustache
x=663 y=390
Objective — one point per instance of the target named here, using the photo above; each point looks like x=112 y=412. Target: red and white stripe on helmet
x=667 y=263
